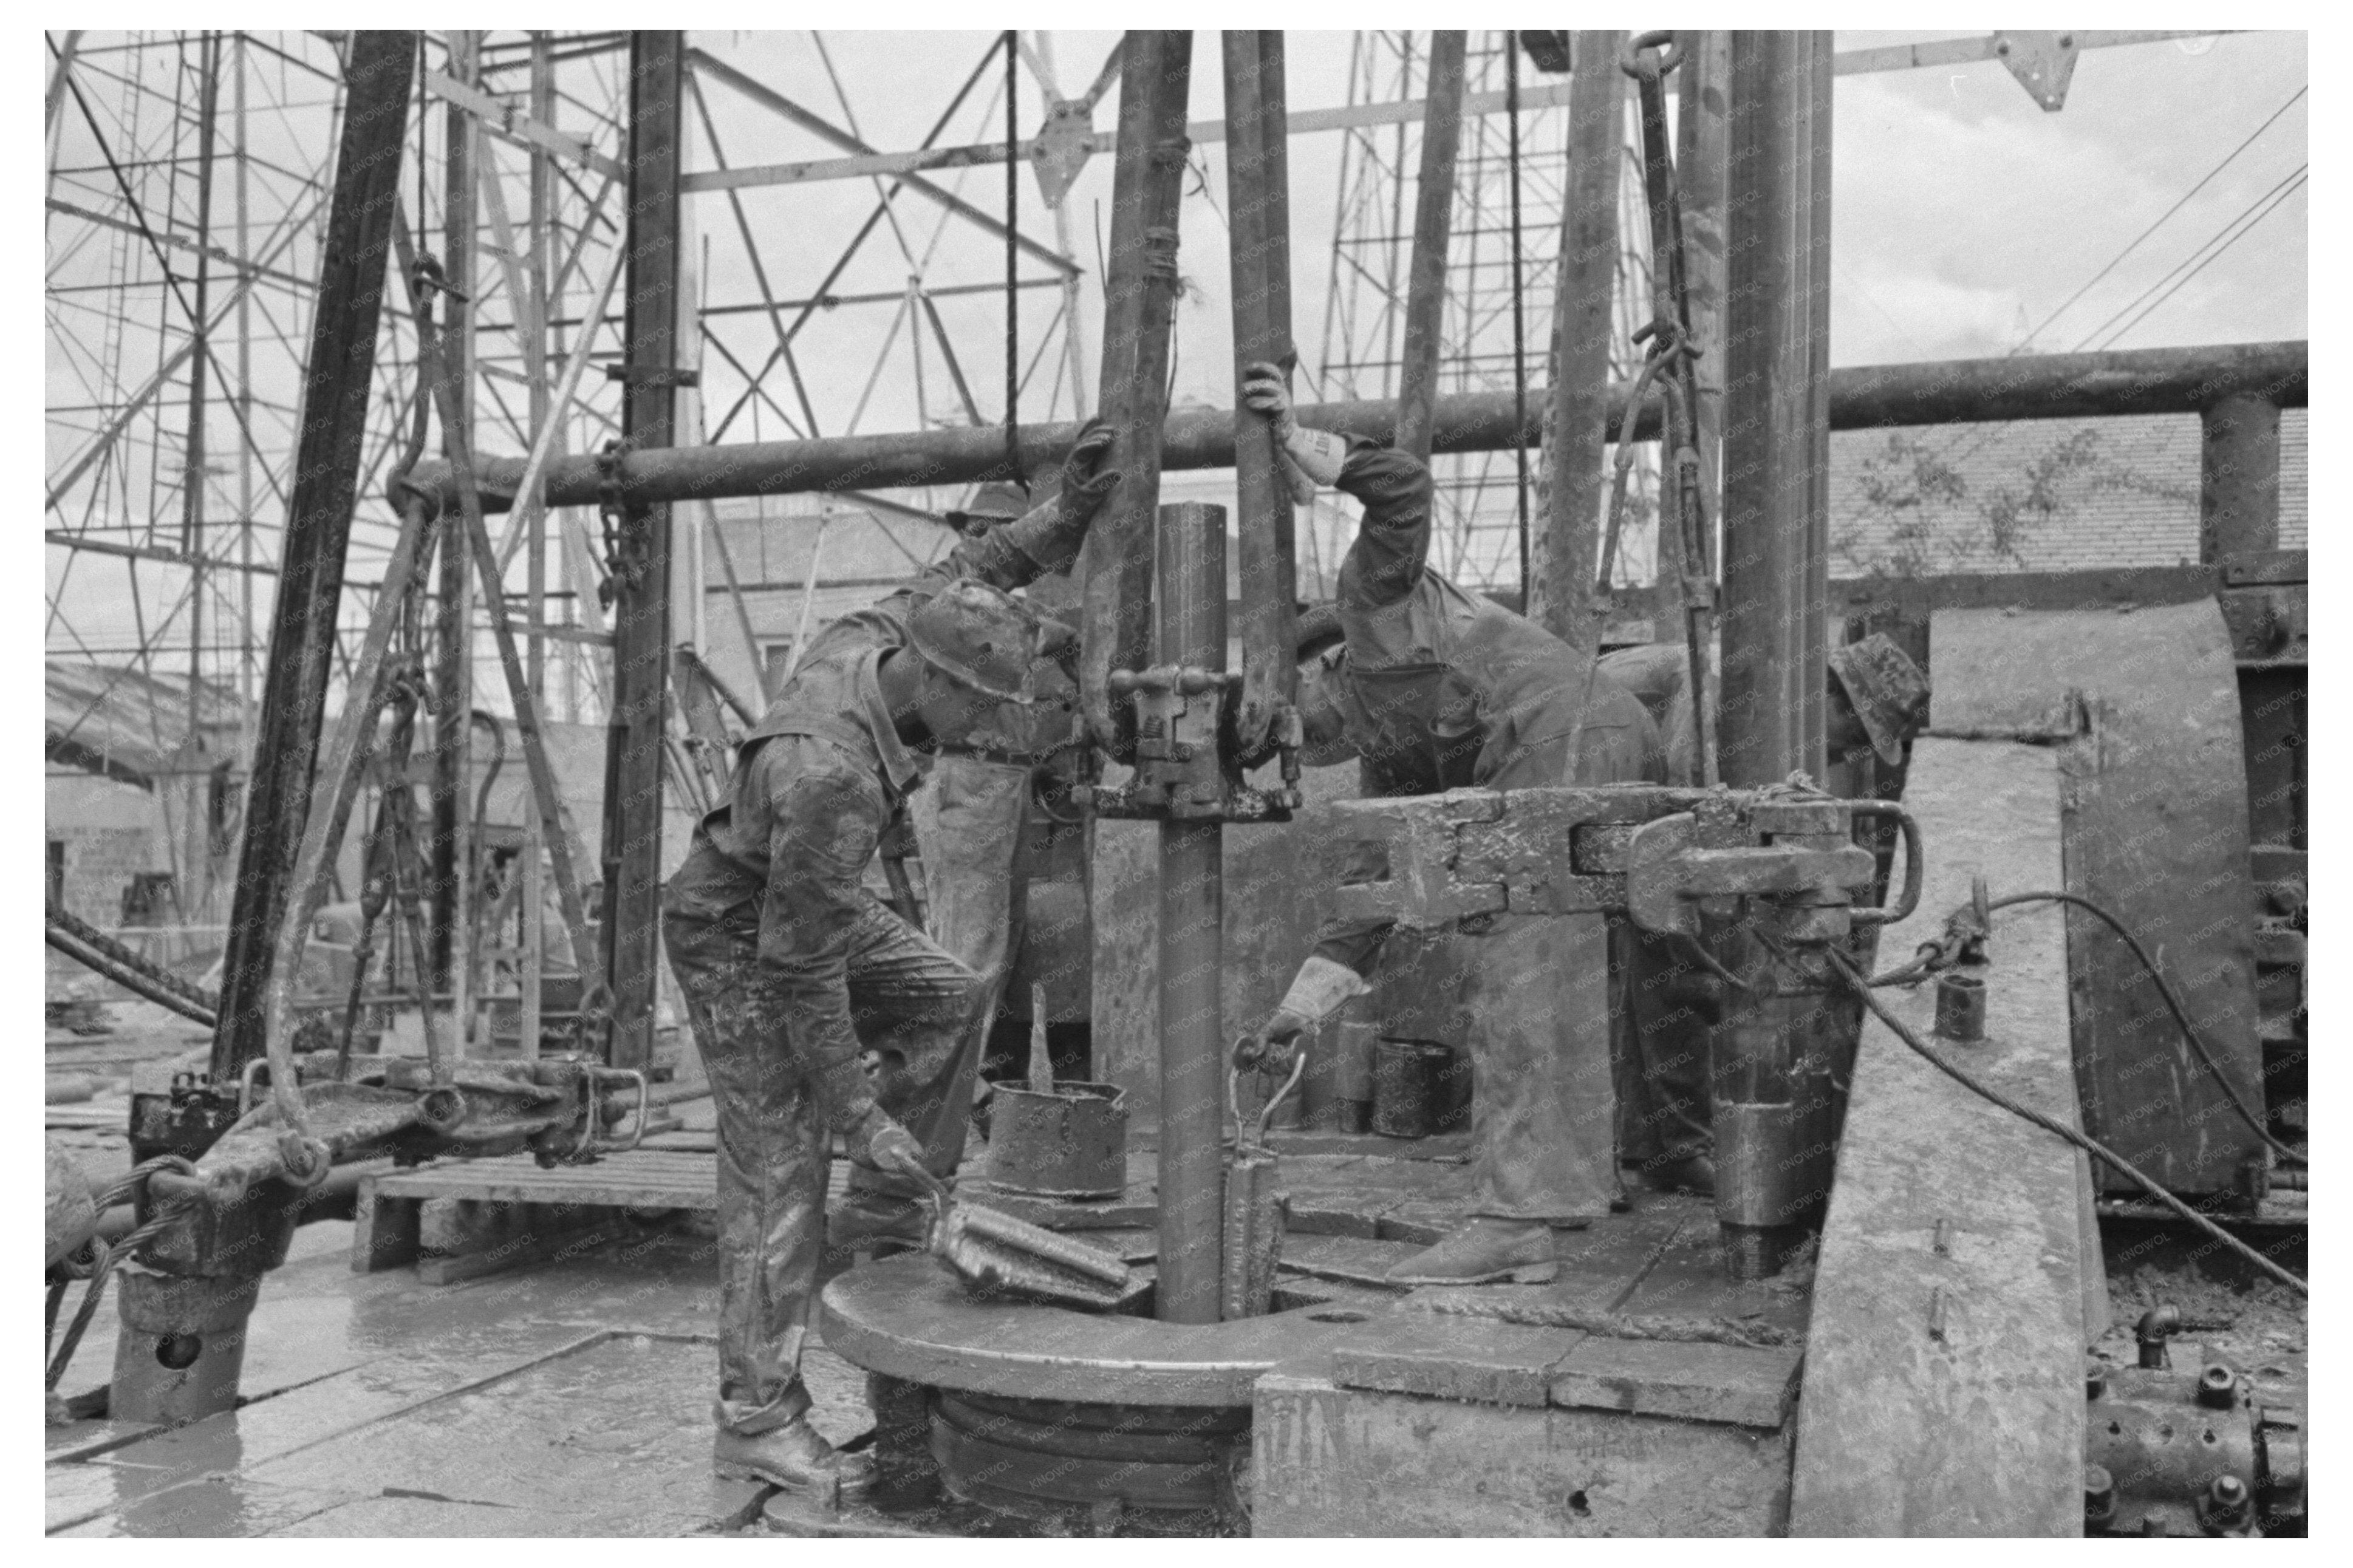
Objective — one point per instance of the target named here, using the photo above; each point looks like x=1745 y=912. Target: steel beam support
x=1563 y=553
x=1258 y=214
x=1192 y=635
x=2239 y=477
x=1863 y=398
x=1139 y=311
x=1433 y=222
x=336 y=383
x=633 y=762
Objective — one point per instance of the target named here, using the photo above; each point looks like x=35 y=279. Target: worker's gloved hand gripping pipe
x=1320 y=989
x=879 y=1143
x=1311 y=457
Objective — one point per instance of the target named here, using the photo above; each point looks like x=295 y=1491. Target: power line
x=2300 y=179
x=2168 y=213
x=2297 y=173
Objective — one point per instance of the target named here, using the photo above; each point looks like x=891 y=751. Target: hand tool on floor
x=1253 y=1239
x=995 y=1255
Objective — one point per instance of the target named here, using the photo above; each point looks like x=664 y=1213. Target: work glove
x=1086 y=481
x=1320 y=989
x=1311 y=457
x=879 y=1143
x=1270 y=1042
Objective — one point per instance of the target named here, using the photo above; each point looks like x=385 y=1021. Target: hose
x=2181 y=1015
x=1860 y=984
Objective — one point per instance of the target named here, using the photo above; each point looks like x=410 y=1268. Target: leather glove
x=1262 y=390
x=879 y=1143
x=1270 y=1042
x=1086 y=481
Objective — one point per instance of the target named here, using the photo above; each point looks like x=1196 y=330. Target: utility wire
x=1860 y=986
x=2294 y=183
x=2168 y=213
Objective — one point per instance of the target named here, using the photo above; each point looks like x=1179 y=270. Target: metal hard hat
x=999 y=500
x=1887 y=691
x=979 y=635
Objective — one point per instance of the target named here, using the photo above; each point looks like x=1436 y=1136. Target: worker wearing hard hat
x=815 y=1007
x=1433 y=689
x=1877 y=703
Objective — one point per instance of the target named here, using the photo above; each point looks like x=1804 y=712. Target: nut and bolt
x=2099 y=1495
x=2226 y=1501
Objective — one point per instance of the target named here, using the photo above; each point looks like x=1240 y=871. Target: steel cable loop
x=1861 y=986
x=105 y=1259
x=2181 y=1015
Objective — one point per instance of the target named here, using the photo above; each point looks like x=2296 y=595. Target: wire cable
x=1860 y=986
x=2180 y=1014
x=2168 y=213
x=2295 y=182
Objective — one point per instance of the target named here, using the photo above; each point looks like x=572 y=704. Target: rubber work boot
x=1693 y=1174
x=1481 y=1250
x=793 y=1456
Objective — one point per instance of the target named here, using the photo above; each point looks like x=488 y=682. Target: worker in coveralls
x=1433 y=689
x=817 y=1009
x=1878 y=700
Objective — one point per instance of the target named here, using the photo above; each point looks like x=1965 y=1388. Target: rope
x=1857 y=983
x=2181 y=1015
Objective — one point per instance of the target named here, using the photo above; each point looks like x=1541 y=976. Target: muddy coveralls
x=1665 y=1111
x=790 y=967
x=1446 y=690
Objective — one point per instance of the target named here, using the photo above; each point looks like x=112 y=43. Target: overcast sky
x=1965 y=213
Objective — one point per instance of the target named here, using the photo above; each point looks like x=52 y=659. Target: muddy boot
x=793 y=1456
x=1480 y=1249
x=880 y=1223
x=1693 y=1174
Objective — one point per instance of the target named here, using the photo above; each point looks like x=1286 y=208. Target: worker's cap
x=1888 y=691
x=999 y=500
x=1318 y=627
x=979 y=635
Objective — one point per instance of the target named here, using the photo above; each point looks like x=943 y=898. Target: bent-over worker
x=814 y=1005
x=1433 y=689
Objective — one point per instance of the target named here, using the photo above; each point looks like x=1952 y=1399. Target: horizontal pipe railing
x=1944 y=392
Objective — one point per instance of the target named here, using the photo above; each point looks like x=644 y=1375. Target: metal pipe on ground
x=1191 y=605
x=1862 y=398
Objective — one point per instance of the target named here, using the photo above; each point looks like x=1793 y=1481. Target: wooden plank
x=2154 y=802
x=643 y=1179
x=1692 y=1381
x=1453 y=1358
x=1943 y=1386
x=385 y=1233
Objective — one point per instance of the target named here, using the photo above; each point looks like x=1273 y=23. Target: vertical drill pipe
x=453 y=642
x=642 y=641
x=1769 y=1052
x=1258 y=209
x=1769 y=404
x=336 y=380
x=1813 y=688
x=2238 y=476
x=1192 y=616
x=1565 y=553
x=1433 y=220
x=1699 y=190
x=1139 y=309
